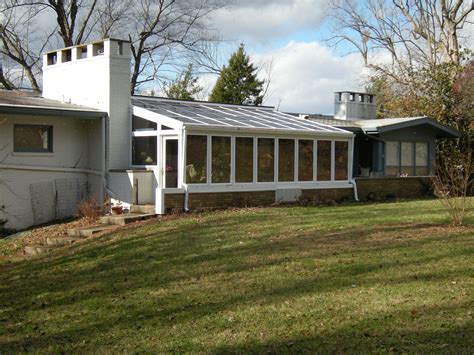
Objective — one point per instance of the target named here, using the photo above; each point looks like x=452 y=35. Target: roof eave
x=442 y=130
x=345 y=134
x=50 y=111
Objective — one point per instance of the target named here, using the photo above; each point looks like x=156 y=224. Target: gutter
x=50 y=111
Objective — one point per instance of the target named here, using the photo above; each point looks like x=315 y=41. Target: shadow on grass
x=204 y=270
x=379 y=334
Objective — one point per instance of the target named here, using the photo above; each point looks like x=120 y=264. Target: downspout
x=185 y=185
x=352 y=181
x=105 y=168
x=105 y=157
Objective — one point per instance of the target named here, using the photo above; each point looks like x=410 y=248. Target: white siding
x=40 y=187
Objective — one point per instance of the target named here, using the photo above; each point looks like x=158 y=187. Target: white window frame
x=210 y=161
x=348 y=158
x=332 y=161
x=234 y=160
x=295 y=162
x=275 y=160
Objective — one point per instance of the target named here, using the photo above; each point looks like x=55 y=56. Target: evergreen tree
x=238 y=83
x=184 y=87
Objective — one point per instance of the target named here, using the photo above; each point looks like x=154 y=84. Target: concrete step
x=124 y=219
x=62 y=241
x=143 y=209
x=31 y=251
x=86 y=232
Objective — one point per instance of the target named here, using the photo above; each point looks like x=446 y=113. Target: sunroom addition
x=200 y=147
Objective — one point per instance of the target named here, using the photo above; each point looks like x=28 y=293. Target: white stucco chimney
x=352 y=106
x=95 y=75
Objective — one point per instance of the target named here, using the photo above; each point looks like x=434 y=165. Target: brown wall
x=386 y=187
x=368 y=188
x=322 y=195
x=210 y=200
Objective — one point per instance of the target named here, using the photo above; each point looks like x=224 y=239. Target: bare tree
x=414 y=32
x=161 y=31
x=167 y=32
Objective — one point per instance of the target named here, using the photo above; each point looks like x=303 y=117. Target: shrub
x=89 y=209
x=451 y=186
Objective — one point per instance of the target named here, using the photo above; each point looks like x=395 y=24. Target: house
x=51 y=157
x=87 y=135
x=386 y=147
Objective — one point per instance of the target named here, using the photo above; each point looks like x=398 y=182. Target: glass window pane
x=324 y=161
x=392 y=161
x=305 y=160
x=171 y=168
x=421 y=159
x=391 y=154
x=33 y=138
x=341 y=160
x=196 y=159
x=266 y=159
x=140 y=124
x=144 y=150
x=286 y=160
x=220 y=160
x=407 y=158
x=243 y=159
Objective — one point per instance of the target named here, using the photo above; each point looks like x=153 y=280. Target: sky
x=289 y=36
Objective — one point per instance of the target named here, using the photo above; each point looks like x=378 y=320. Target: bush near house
x=391 y=277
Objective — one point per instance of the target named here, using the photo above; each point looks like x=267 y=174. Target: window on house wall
x=140 y=124
x=286 y=160
x=392 y=158
x=421 y=159
x=407 y=157
x=305 y=160
x=341 y=157
x=196 y=159
x=32 y=138
x=144 y=150
x=339 y=96
x=371 y=99
x=324 y=161
x=221 y=155
x=266 y=160
x=243 y=159
x=352 y=96
x=361 y=97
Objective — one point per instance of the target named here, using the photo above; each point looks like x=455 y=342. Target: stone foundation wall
x=368 y=189
x=211 y=200
x=386 y=187
x=317 y=195
x=174 y=201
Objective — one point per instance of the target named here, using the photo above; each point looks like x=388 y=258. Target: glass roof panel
x=211 y=114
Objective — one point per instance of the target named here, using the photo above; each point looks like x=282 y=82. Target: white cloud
x=261 y=20
x=305 y=75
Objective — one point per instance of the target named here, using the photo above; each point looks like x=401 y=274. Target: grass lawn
x=350 y=278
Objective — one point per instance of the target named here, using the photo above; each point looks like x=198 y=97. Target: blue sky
x=290 y=34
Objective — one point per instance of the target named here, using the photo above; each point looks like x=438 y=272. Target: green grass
x=374 y=278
